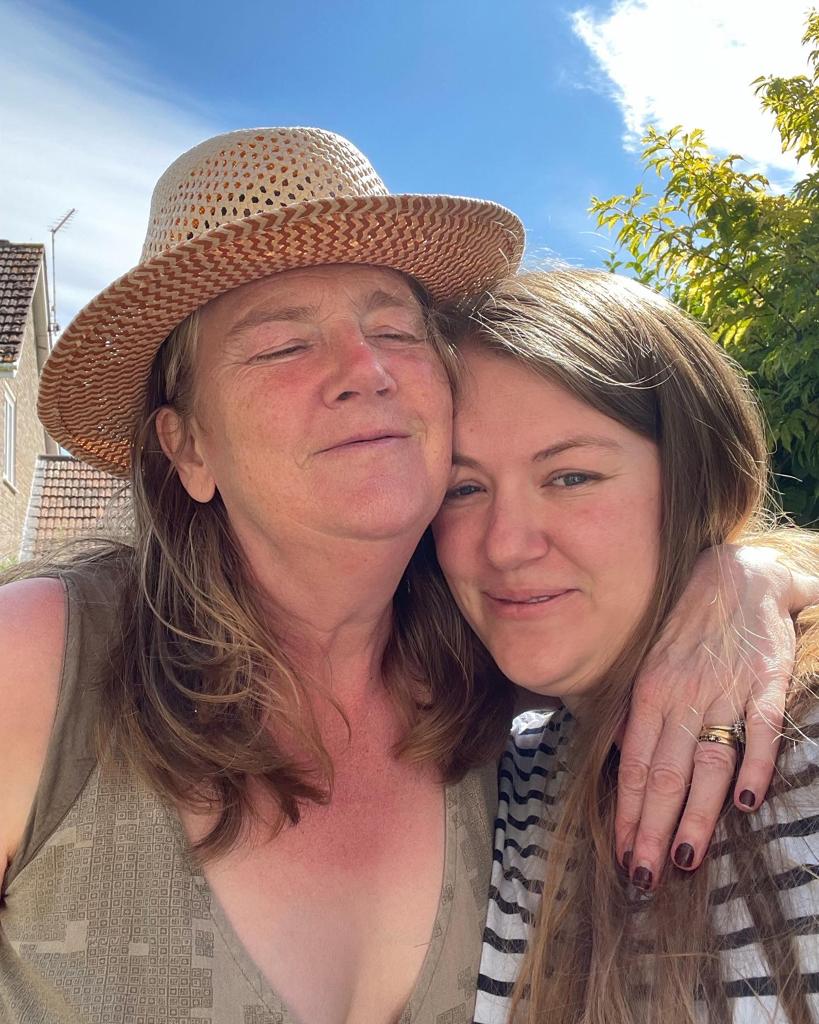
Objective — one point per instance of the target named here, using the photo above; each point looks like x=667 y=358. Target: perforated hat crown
x=245 y=173
x=236 y=208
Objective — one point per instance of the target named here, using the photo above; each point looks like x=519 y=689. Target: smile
x=364 y=441
x=524 y=605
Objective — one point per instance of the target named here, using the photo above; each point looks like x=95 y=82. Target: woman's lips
x=364 y=442
x=526 y=604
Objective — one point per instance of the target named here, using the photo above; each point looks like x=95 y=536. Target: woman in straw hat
x=243 y=777
x=601 y=442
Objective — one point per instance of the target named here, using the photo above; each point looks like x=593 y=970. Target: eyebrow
x=580 y=441
x=257 y=317
x=380 y=299
x=376 y=300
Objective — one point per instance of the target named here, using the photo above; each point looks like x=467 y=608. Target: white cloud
x=669 y=63
x=81 y=127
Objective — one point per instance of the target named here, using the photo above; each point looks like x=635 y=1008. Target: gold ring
x=730 y=735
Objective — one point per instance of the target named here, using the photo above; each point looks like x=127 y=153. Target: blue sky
x=532 y=103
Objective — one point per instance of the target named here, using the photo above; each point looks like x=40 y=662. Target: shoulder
x=33 y=617
x=32 y=641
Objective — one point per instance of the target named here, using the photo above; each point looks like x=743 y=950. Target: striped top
x=530 y=778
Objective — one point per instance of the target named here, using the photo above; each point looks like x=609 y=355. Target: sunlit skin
x=548 y=534
x=323 y=416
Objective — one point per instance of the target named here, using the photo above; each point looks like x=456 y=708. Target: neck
x=331 y=606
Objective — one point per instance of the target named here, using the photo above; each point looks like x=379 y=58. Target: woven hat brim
x=92 y=385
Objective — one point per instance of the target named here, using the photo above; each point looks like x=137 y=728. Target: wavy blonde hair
x=638 y=359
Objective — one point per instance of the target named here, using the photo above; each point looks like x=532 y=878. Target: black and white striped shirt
x=529 y=777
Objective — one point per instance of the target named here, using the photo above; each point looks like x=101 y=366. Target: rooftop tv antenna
x=54 y=327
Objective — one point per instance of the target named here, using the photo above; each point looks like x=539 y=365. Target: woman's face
x=320 y=409
x=549 y=532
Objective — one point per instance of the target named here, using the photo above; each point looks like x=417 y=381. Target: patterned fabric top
x=530 y=777
x=19 y=267
x=105 y=920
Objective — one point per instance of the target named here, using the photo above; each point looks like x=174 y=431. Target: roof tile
x=71 y=500
x=19 y=265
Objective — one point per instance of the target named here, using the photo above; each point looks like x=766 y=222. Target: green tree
x=744 y=259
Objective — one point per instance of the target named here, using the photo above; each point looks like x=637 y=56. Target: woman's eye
x=571 y=479
x=278 y=353
x=462 y=491
x=404 y=336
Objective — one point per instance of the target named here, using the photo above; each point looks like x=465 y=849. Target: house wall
x=30 y=443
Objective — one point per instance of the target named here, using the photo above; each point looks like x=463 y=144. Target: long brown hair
x=202 y=700
x=597 y=955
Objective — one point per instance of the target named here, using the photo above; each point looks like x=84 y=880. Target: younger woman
x=602 y=441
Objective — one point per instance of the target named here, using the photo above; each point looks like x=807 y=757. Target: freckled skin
x=323 y=416
x=580 y=524
x=272 y=398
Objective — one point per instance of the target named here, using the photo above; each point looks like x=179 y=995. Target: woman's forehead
x=309 y=287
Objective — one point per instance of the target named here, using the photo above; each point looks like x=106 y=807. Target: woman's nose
x=357 y=367
x=516 y=535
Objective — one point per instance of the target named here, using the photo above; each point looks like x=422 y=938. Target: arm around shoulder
x=32 y=641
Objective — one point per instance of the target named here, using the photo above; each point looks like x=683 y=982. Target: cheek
x=453 y=546
x=647 y=527
x=246 y=442
x=458 y=542
x=444 y=537
x=633 y=554
x=435 y=387
x=616 y=541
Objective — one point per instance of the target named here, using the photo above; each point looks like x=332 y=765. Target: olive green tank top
x=104 y=919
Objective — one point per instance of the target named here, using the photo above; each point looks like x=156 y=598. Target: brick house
x=24 y=345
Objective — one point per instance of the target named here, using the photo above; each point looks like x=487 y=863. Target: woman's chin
x=566 y=687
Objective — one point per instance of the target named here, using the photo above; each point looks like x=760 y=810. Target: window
x=10 y=447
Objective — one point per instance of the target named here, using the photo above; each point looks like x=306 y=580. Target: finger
x=637 y=747
x=763 y=729
x=714 y=766
x=666 y=789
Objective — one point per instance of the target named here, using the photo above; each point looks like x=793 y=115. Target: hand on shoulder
x=32 y=628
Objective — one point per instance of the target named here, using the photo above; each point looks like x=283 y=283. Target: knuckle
x=715 y=757
x=632 y=776
x=765 y=713
x=626 y=822
x=624 y=839
x=698 y=822
x=650 y=845
x=664 y=685
x=667 y=780
x=768 y=677
x=757 y=765
x=649 y=683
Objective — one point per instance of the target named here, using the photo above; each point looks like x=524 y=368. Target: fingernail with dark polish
x=642 y=879
x=627 y=859
x=684 y=855
x=747 y=798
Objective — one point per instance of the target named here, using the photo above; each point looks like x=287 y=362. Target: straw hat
x=236 y=208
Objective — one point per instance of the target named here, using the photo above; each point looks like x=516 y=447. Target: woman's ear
x=179 y=443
